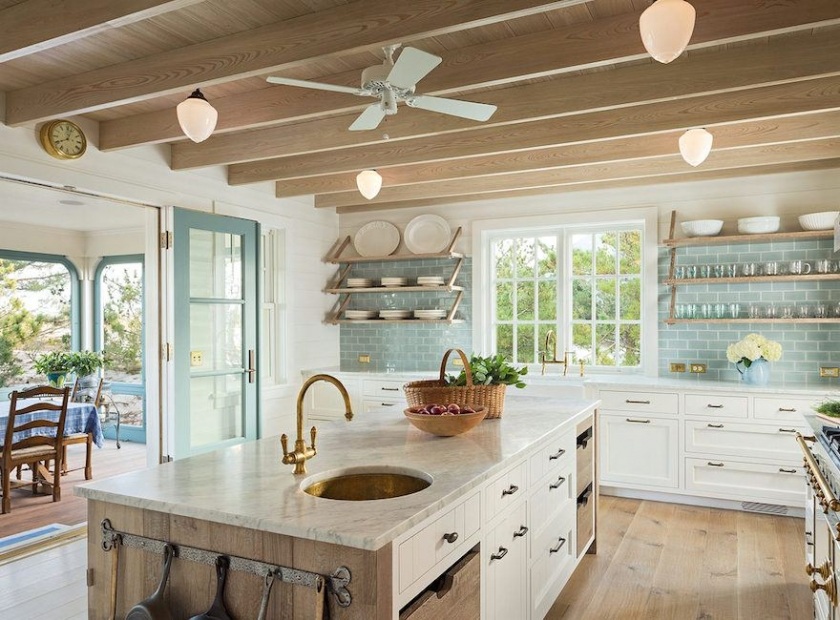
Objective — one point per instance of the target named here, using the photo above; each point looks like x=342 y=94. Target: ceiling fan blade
x=369 y=119
x=317 y=85
x=453 y=107
x=411 y=67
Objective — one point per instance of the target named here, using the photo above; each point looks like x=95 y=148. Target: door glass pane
x=215 y=336
x=121 y=286
x=215 y=409
x=215 y=264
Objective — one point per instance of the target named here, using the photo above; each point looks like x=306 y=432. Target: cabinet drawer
x=552 y=457
x=782 y=408
x=643 y=402
x=744 y=440
x=553 y=562
x=585 y=457
x=746 y=481
x=369 y=405
x=551 y=497
x=461 y=599
x=585 y=518
x=717 y=406
x=435 y=542
x=505 y=490
x=390 y=388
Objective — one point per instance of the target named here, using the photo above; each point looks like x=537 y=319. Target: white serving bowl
x=818 y=221
x=758 y=225
x=702 y=228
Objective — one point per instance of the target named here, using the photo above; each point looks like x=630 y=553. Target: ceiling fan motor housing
x=374 y=78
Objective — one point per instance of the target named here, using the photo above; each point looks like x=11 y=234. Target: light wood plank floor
x=675 y=562
x=30 y=511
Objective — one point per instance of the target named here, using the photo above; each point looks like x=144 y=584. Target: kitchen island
x=243 y=502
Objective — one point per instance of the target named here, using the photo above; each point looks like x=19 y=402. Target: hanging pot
x=757 y=373
x=154 y=607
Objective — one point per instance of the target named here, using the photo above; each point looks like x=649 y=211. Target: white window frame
x=484 y=231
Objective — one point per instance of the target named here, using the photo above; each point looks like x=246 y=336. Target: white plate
x=427 y=234
x=360 y=314
x=358 y=283
x=377 y=238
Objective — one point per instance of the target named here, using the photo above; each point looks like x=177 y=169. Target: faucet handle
x=313 y=433
x=284 y=443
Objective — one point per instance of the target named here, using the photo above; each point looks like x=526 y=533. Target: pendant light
x=666 y=27
x=695 y=146
x=369 y=183
x=197 y=117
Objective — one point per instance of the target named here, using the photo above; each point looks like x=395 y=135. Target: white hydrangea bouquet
x=753 y=347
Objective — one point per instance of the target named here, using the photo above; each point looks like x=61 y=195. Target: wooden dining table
x=81 y=418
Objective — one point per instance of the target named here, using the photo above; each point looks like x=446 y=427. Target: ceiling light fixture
x=369 y=183
x=666 y=27
x=197 y=117
x=695 y=146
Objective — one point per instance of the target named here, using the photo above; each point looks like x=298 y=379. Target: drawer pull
x=510 y=490
x=715 y=425
x=583 y=499
x=520 y=532
x=638 y=421
x=390 y=389
x=788 y=409
x=557 y=455
x=556 y=485
x=711 y=406
x=583 y=438
x=637 y=402
x=560 y=543
x=498 y=556
x=787 y=430
x=783 y=470
x=387 y=404
x=451 y=538
x=711 y=464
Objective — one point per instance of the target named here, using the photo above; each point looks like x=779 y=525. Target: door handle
x=510 y=490
x=557 y=455
x=560 y=543
x=556 y=485
x=252 y=366
x=520 y=532
x=498 y=556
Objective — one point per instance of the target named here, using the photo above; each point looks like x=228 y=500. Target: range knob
x=823 y=571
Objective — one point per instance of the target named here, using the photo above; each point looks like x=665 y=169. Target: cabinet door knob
x=556 y=485
x=828 y=586
x=498 y=556
x=510 y=490
x=451 y=537
x=823 y=571
x=558 y=546
x=520 y=532
x=557 y=455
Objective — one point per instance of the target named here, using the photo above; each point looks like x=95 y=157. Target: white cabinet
x=716 y=405
x=505 y=562
x=639 y=450
x=324 y=402
x=639 y=402
x=743 y=440
x=783 y=409
x=744 y=481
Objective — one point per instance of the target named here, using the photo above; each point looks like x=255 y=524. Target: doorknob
x=252 y=366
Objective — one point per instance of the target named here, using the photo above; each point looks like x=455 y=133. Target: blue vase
x=758 y=372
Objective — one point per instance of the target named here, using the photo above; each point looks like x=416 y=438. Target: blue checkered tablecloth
x=81 y=418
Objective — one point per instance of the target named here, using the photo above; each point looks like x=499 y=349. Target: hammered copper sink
x=361 y=485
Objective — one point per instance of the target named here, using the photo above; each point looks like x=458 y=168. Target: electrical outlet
x=697 y=368
x=196 y=358
x=677 y=367
x=829 y=371
x=364 y=358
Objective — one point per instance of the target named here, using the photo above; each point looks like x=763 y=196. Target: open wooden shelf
x=747 y=279
x=335 y=255
x=748 y=320
x=396 y=289
x=802 y=235
x=393 y=321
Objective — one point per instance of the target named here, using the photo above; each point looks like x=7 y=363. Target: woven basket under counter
x=435 y=391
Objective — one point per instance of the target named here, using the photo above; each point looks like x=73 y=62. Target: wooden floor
x=31 y=511
x=675 y=562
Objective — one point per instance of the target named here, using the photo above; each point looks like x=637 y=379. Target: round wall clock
x=63 y=139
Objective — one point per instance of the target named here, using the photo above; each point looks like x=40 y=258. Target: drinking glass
x=787 y=311
x=691 y=271
x=755 y=311
x=803 y=311
x=770 y=312
x=750 y=269
x=771 y=268
x=679 y=272
x=799 y=267
x=720 y=311
x=731 y=270
x=734 y=310
x=826 y=266
x=705 y=271
x=820 y=311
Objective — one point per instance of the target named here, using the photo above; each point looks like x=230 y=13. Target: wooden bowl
x=446 y=425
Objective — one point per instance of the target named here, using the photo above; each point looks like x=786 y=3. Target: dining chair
x=80 y=394
x=33 y=448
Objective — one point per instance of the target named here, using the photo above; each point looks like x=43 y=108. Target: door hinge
x=90 y=578
x=166 y=240
x=166 y=352
x=166 y=459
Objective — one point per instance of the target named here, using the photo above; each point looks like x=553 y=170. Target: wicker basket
x=492 y=397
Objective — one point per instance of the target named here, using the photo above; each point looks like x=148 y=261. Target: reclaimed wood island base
x=520 y=490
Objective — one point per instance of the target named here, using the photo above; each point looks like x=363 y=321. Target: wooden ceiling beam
x=772 y=101
x=719 y=159
x=768 y=131
x=817 y=55
x=351 y=27
x=38 y=25
x=566 y=49
x=696 y=174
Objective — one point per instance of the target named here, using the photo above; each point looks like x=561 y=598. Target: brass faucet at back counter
x=551 y=339
x=302 y=452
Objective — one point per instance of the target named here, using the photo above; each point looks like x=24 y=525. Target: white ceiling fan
x=393 y=83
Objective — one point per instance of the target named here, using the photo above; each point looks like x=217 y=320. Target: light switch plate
x=697 y=368
x=677 y=367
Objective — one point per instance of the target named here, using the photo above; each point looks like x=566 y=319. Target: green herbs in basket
x=493 y=370
x=831 y=408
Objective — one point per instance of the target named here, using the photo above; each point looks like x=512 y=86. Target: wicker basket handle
x=463 y=359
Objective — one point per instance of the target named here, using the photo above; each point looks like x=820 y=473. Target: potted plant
x=829 y=408
x=86 y=365
x=55 y=365
x=492 y=370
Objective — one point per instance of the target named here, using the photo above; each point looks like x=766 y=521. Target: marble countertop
x=248 y=486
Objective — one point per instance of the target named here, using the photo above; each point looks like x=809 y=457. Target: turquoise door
x=215 y=323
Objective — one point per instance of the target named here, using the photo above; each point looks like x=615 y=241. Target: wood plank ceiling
x=580 y=103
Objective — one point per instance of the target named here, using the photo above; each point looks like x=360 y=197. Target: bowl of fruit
x=445 y=420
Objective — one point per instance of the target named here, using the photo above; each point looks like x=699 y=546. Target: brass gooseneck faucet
x=302 y=452
x=551 y=338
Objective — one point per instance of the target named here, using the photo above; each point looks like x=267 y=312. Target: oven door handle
x=830 y=500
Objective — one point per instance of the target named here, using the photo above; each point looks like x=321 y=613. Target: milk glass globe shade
x=666 y=27
x=369 y=183
x=695 y=146
x=197 y=117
